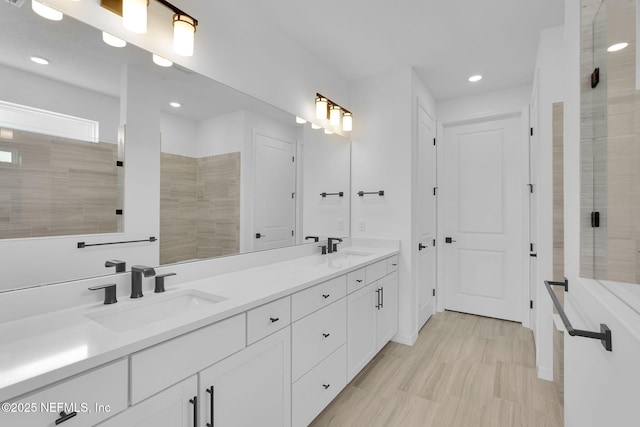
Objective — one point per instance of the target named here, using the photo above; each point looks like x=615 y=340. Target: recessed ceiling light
x=159 y=60
x=300 y=120
x=46 y=11
x=616 y=47
x=315 y=126
x=39 y=60
x=175 y=104
x=475 y=78
x=113 y=40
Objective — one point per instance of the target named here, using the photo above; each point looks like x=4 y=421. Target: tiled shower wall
x=558 y=240
x=57 y=187
x=199 y=207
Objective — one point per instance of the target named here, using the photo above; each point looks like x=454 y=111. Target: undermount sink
x=348 y=253
x=136 y=314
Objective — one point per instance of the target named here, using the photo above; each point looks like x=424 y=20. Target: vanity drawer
x=376 y=271
x=313 y=392
x=318 y=296
x=392 y=264
x=355 y=280
x=87 y=394
x=267 y=319
x=162 y=365
x=316 y=336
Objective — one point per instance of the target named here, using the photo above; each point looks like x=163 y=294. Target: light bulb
x=184 y=28
x=347 y=122
x=163 y=62
x=112 y=40
x=134 y=15
x=46 y=11
x=321 y=108
x=335 y=114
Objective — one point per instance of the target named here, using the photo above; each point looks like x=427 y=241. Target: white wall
x=382 y=160
x=222 y=134
x=485 y=105
x=21 y=87
x=179 y=135
x=550 y=87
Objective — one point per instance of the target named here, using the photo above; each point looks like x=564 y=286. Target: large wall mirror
x=610 y=153
x=235 y=174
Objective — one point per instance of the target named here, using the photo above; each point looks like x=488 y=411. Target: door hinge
x=530 y=247
x=291 y=232
x=293 y=195
x=595 y=78
x=434 y=292
x=434 y=243
x=531 y=304
x=435 y=190
x=293 y=159
x=595 y=219
x=530 y=188
x=434 y=141
x=531 y=131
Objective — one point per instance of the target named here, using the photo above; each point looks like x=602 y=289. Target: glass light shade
x=134 y=15
x=321 y=108
x=184 y=29
x=46 y=11
x=328 y=132
x=335 y=114
x=315 y=126
x=112 y=40
x=300 y=120
x=347 y=122
x=163 y=62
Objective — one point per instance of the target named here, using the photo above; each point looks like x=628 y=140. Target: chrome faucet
x=332 y=246
x=136 y=279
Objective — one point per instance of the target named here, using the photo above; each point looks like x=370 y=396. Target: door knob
x=449 y=240
x=259 y=235
x=421 y=246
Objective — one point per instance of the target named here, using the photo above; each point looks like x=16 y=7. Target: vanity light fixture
x=112 y=40
x=39 y=60
x=337 y=113
x=134 y=15
x=6 y=133
x=315 y=126
x=616 y=47
x=134 y=18
x=300 y=120
x=475 y=78
x=46 y=11
x=347 y=122
x=160 y=61
x=175 y=104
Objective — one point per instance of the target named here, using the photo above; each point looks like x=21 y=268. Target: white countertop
x=39 y=350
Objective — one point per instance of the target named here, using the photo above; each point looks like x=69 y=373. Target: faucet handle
x=120 y=266
x=324 y=249
x=315 y=238
x=109 y=292
x=160 y=282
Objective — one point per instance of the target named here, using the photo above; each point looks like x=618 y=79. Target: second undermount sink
x=136 y=314
x=349 y=253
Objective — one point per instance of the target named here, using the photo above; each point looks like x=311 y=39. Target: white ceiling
x=446 y=41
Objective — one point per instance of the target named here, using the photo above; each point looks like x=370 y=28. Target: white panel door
x=483 y=195
x=274 y=189
x=426 y=216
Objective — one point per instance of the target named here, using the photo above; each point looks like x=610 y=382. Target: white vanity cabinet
x=372 y=319
x=250 y=388
x=173 y=407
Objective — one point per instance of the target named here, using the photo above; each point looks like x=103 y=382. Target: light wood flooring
x=464 y=370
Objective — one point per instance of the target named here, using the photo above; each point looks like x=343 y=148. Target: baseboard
x=409 y=340
x=545 y=373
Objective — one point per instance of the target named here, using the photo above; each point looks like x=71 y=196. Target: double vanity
x=267 y=344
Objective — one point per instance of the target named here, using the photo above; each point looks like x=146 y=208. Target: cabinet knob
x=326 y=386
x=274 y=319
x=326 y=335
x=64 y=416
x=359 y=280
x=325 y=296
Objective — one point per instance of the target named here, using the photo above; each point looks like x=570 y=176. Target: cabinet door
x=388 y=312
x=361 y=329
x=250 y=388
x=172 y=407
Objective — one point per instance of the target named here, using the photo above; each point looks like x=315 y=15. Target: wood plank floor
x=464 y=370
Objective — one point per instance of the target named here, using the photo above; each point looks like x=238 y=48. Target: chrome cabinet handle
x=326 y=335
x=325 y=296
x=326 y=386
x=274 y=319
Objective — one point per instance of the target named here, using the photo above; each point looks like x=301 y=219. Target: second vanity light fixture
x=327 y=109
x=134 y=18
